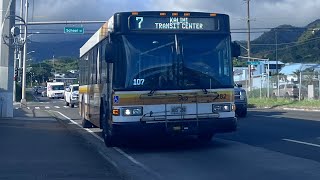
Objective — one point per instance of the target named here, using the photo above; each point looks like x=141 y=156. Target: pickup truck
x=240 y=100
x=290 y=91
x=71 y=95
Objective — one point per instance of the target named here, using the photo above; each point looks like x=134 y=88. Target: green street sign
x=253 y=62
x=73 y=30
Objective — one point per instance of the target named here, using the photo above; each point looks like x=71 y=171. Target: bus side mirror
x=235 y=49
x=109 y=54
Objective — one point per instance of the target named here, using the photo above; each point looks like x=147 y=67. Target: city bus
x=145 y=73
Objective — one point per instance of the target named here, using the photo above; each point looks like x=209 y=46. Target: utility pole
x=54 y=69
x=7 y=19
x=276 y=39
x=23 y=99
x=20 y=52
x=248 y=43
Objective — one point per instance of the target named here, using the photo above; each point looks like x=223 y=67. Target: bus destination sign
x=173 y=23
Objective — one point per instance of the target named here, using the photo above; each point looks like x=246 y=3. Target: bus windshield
x=175 y=61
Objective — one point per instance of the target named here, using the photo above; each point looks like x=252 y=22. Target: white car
x=71 y=95
x=44 y=92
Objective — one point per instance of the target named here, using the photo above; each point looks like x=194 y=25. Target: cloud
x=264 y=13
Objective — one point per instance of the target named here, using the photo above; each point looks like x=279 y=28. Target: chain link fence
x=300 y=85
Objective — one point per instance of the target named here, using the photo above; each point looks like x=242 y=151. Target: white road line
x=301 y=142
x=115 y=148
x=28 y=107
x=16 y=108
x=57 y=107
x=65 y=106
x=37 y=107
x=47 y=107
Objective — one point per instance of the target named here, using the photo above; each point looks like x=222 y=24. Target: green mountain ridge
x=289 y=44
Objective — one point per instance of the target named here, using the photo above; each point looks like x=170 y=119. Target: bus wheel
x=108 y=137
x=205 y=137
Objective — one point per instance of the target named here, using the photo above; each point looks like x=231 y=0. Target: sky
x=264 y=13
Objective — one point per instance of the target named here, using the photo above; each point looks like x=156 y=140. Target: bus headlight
x=132 y=111
x=221 y=107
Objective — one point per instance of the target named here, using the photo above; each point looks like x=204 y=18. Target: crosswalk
x=43 y=107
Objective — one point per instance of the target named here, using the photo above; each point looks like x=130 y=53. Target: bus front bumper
x=187 y=127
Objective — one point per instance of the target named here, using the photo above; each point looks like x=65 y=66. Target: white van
x=55 y=89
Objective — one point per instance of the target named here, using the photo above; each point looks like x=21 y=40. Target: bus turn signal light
x=116 y=112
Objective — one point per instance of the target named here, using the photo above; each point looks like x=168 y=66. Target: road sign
x=73 y=30
x=253 y=62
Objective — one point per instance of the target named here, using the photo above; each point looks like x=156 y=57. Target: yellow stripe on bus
x=173 y=98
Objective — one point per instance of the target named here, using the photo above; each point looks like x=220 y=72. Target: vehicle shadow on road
x=169 y=144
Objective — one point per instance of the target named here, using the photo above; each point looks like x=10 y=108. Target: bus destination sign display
x=173 y=23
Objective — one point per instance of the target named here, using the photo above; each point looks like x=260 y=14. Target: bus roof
x=95 y=39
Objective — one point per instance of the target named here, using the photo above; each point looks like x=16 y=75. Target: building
x=262 y=68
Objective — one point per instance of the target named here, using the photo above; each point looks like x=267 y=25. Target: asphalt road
x=269 y=144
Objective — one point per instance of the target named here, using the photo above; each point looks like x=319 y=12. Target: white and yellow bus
x=148 y=73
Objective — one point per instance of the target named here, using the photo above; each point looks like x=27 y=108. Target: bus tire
x=243 y=113
x=108 y=137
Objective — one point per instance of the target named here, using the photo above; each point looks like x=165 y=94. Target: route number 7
x=140 y=20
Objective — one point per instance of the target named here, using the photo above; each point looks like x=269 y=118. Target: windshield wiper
x=152 y=91
x=205 y=91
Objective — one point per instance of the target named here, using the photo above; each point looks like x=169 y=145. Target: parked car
x=40 y=89
x=71 y=95
x=241 y=101
x=44 y=92
x=290 y=90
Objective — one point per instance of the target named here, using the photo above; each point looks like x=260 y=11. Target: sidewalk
x=35 y=145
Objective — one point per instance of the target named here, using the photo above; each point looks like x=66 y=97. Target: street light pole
x=248 y=43
x=23 y=99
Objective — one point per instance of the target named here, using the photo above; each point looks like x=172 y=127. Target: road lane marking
x=16 y=108
x=65 y=106
x=115 y=148
x=37 y=107
x=28 y=107
x=301 y=142
x=57 y=107
x=47 y=107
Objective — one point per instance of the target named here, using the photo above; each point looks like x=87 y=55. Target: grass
x=29 y=96
x=281 y=102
